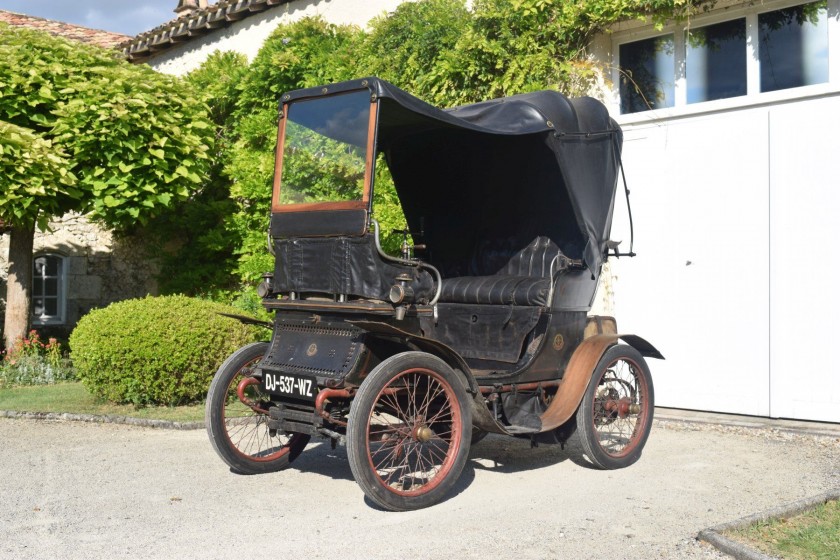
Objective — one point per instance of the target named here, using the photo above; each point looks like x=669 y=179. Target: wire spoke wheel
x=236 y=417
x=410 y=436
x=409 y=431
x=615 y=416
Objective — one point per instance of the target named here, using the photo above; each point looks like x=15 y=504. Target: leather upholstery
x=496 y=290
x=505 y=275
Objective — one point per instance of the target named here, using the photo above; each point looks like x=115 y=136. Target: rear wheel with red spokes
x=408 y=433
x=236 y=417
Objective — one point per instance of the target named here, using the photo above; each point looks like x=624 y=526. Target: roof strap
x=626 y=196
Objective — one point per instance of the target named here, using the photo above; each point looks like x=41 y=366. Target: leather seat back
x=509 y=258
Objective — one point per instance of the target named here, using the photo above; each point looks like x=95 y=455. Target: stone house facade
x=80 y=266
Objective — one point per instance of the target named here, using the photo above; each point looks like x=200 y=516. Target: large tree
x=82 y=130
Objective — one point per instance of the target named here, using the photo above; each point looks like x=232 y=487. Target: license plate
x=288 y=385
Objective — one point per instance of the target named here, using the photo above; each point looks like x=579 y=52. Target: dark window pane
x=51 y=306
x=716 y=61
x=793 y=47
x=37 y=286
x=51 y=287
x=52 y=266
x=647 y=74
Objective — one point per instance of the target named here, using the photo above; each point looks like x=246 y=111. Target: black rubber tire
x=610 y=439
x=411 y=432
x=245 y=444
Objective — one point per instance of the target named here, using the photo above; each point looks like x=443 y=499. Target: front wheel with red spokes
x=408 y=433
x=236 y=417
x=616 y=413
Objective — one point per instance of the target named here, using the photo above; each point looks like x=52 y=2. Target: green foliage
x=133 y=139
x=407 y=46
x=515 y=46
x=37 y=170
x=306 y=53
x=30 y=361
x=218 y=83
x=156 y=350
x=244 y=298
x=197 y=248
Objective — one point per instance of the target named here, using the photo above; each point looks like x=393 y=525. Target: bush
x=156 y=350
x=32 y=362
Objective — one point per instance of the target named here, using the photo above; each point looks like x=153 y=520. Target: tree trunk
x=19 y=284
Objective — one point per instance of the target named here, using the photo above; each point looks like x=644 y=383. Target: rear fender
x=579 y=371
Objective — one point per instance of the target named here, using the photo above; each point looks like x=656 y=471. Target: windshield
x=324 y=153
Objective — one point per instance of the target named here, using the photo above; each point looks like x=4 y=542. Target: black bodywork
x=512 y=201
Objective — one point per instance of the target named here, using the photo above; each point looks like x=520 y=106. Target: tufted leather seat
x=507 y=275
x=496 y=290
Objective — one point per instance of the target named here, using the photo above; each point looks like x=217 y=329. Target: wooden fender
x=579 y=371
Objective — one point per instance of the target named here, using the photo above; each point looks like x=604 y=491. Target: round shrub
x=156 y=350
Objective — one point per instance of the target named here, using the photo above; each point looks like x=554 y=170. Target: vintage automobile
x=408 y=360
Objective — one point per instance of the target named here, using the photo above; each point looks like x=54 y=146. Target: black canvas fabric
x=527 y=165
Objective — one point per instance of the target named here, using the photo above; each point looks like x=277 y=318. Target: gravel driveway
x=77 y=490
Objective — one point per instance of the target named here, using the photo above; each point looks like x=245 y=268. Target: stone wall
x=100 y=267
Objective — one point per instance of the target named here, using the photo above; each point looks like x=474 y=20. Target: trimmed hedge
x=156 y=350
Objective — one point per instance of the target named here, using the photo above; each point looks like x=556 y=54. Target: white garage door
x=737 y=217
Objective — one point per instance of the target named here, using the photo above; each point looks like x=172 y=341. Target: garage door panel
x=804 y=307
x=699 y=290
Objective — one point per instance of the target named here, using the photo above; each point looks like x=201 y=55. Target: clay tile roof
x=193 y=23
x=97 y=37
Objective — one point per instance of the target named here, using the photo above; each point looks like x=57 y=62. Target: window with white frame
x=793 y=46
x=785 y=48
x=647 y=74
x=48 y=286
x=716 y=61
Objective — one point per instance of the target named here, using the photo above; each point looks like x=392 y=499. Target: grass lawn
x=74 y=398
x=812 y=535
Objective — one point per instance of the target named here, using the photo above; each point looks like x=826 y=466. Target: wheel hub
x=423 y=433
x=623 y=407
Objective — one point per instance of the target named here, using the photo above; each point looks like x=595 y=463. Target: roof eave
x=187 y=28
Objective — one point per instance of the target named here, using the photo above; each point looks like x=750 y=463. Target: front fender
x=442 y=351
x=579 y=371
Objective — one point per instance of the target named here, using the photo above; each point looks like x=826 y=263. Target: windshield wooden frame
x=370 y=159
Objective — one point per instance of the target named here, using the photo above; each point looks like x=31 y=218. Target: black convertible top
x=511 y=168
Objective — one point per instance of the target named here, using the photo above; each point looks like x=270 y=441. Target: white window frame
x=61 y=300
x=628 y=32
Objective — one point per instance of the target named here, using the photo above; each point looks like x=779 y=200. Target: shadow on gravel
x=321 y=459
x=495 y=453
x=505 y=454
x=464 y=482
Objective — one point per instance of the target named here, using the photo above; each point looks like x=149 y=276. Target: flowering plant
x=31 y=361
